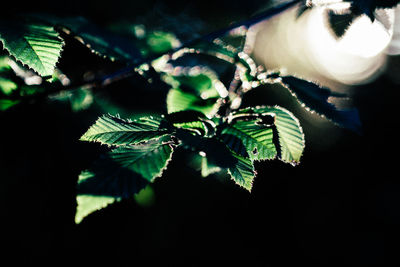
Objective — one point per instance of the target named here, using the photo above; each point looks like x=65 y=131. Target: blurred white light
x=305 y=46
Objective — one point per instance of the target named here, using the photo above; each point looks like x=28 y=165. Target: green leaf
x=201 y=84
x=149 y=160
x=80 y=99
x=161 y=42
x=192 y=120
x=99 y=40
x=112 y=130
x=146 y=197
x=197 y=89
x=177 y=100
x=250 y=139
x=242 y=172
x=290 y=134
x=207 y=168
x=218 y=155
x=36 y=45
x=7 y=86
x=196 y=126
x=108 y=179
x=120 y=174
x=7 y=103
x=89 y=204
x=4 y=64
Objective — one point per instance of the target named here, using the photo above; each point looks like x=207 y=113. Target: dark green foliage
x=205 y=79
x=316 y=98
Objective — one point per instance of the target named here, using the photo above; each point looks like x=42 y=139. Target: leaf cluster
x=206 y=80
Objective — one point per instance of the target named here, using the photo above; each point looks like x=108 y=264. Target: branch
x=130 y=70
x=208 y=37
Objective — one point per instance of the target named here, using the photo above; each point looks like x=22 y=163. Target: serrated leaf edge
x=15 y=58
x=79 y=219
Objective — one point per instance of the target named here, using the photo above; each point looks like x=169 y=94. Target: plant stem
x=131 y=69
x=208 y=37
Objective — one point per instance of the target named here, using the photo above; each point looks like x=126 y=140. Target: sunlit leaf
x=197 y=89
x=177 y=100
x=149 y=159
x=161 y=42
x=192 y=120
x=112 y=130
x=242 y=172
x=201 y=83
x=89 y=204
x=36 y=45
x=4 y=64
x=7 y=86
x=290 y=133
x=250 y=139
x=286 y=128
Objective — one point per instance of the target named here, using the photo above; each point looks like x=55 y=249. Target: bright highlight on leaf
x=250 y=139
x=177 y=100
x=89 y=204
x=242 y=172
x=148 y=160
x=36 y=45
x=7 y=86
x=290 y=133
x=197 y=90
x=254 y=130
x=161 y=42
x=111 y=130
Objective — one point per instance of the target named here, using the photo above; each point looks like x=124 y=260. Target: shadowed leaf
x=120 y=174
x=219 y=155
x=316 y=98
x=99 y=40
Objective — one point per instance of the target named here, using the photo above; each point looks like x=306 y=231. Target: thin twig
x=130 y=70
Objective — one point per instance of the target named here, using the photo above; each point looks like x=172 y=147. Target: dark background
x=339 y=206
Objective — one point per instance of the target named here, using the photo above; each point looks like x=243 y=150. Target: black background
x=339 y=206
